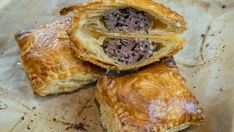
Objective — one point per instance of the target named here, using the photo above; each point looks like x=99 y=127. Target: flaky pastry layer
x=154 y=99
x=89 y=32
x=160 y=13
x=48 y=58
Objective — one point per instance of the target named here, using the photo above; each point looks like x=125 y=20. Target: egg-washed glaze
x=155 y=99
x=48 y=58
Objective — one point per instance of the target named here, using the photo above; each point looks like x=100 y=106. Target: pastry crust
x=90 y=50
x=154 y=99
x=48 y=58
x=172 y=19
x=89 y=32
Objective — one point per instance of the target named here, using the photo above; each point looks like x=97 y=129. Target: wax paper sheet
x=206 y=62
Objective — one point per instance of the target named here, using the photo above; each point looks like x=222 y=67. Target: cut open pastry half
x=125 y=34
x=155 y=99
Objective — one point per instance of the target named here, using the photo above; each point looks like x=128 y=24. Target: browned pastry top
x=47 y=55
x=155 y=98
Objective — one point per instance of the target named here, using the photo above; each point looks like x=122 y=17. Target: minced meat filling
x=127 y=19
x=129 y=51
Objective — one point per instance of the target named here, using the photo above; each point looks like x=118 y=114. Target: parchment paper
x=206 y=62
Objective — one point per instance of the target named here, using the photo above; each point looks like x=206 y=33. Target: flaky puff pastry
x=155 y=99
x=89 y=31
x=165 y=20
x=49 y=60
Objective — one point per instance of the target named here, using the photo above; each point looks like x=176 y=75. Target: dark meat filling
x=129 y=51
x=127 y=19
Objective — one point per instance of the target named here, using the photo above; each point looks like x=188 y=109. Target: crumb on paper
x=28 y=127
x=221 y=89
x=79 y=126
x=224 y=6
x=34 y=107
x=3 y=106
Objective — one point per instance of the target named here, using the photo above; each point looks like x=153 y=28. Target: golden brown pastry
x=49 y=61
x=125 y=34
x=155 y=99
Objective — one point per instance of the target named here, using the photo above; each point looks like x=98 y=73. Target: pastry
x=49 y=60
x=125 y=34
x=155 y=99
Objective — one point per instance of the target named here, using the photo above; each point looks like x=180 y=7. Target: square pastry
x=154 y=99
x=48 y=58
